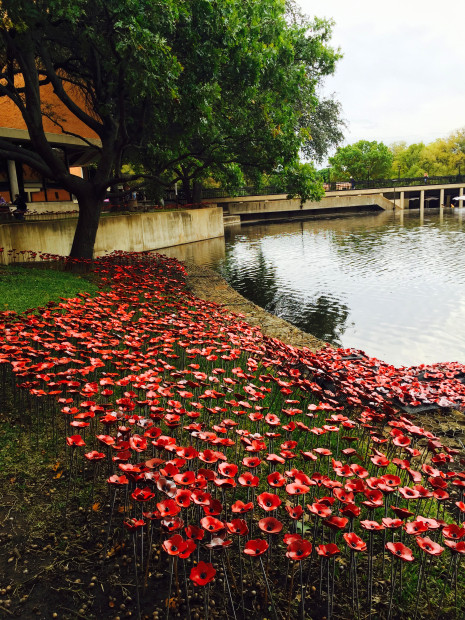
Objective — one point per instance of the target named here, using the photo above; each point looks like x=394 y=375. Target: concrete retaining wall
x=272 y=205
x=132 y=233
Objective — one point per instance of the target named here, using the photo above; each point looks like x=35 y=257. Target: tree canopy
x=179 y=89
x=444 y=156
x=362 y=160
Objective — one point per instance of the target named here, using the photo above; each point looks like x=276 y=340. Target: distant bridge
x=378 y=194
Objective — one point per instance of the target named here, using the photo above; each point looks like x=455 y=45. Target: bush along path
x=161 y=458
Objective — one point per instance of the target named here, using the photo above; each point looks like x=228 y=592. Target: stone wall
x=135 y=232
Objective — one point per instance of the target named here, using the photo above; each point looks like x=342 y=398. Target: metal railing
x=333 y=186
x=399 y=182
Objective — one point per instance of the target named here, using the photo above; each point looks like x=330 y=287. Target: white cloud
x=401 y=77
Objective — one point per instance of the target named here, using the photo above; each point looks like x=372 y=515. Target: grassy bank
x=25 y=286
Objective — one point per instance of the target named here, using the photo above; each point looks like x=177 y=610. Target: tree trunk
x=90 y=207
x=186 y=190
x=196 y=192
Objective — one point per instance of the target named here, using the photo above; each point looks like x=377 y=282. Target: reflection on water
x=206 y=253
x=388 y=283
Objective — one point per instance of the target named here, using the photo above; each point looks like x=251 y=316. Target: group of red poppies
x=233 y=442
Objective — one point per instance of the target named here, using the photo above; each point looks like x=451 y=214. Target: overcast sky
x=403 y=72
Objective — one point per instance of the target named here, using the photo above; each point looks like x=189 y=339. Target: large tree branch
x=60 y=92
x=56 y=122
x=9 y=150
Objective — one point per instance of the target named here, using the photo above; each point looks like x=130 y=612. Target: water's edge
x=207 y=284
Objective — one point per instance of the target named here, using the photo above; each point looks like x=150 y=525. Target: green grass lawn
x=24 y=287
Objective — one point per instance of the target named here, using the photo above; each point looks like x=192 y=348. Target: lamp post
x=398 y=171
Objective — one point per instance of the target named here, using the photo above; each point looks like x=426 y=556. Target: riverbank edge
x=208 y=285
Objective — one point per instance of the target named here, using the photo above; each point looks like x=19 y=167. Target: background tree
x=103 y=59
x=181 y=90
x=362 y=160
x=438 y=158
x=247 y=103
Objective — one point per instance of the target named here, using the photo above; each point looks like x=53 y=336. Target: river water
x=391 y=284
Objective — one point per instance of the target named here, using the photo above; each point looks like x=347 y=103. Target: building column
x=422 y=204
x=13 y=179
x=441 y=198
x=402 y=200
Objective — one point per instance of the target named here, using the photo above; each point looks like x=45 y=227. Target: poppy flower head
x=255 y=547
x=354 y=542
x=429 y=546
x=268 y=501
x=328 y=551
x=247 y=479
x=416 y=528
x=237 y=526
x=211 y=524
x=174 y=545
x=453 y=531
x=270 y=525
x=299 y=550
x=399 y=550
x=202 y=574
x=295 y=512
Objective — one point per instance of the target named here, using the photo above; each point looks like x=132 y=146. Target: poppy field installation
x=288 y=483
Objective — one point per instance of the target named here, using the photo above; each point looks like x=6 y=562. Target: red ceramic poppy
x=255 y=547
x=289 y=538
x=203 y=573
x=94 y=456
x=237 y=526
x=118 y=480
x=392 y=524
x=354 y=542
x=194 y=532
x=190 y=548
x=134 y=524
x=186 y=478
x=429 y=546
x=172 y=524
x=351 y=511
x=295 y=512
x=455 y=546
x=251 y=461
x=270 y=525
x=375 y=498
x=346 y=497
x=336 y=523
x=276 y=479
x=416 y=528
x=299 y=550
x=75 y=441
x=328 y=551
x=453 y=531
x=229 y=470
x=240 y=508
x=247 y=479
x=174 y=545
x=402 y=513
x=373 y=526
x=183 y=498
x=297 y=489
x=211 y=524
x=319 y=509
x=268 y=501
x=168 y=508
x=144 y=495
x=399 y=550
